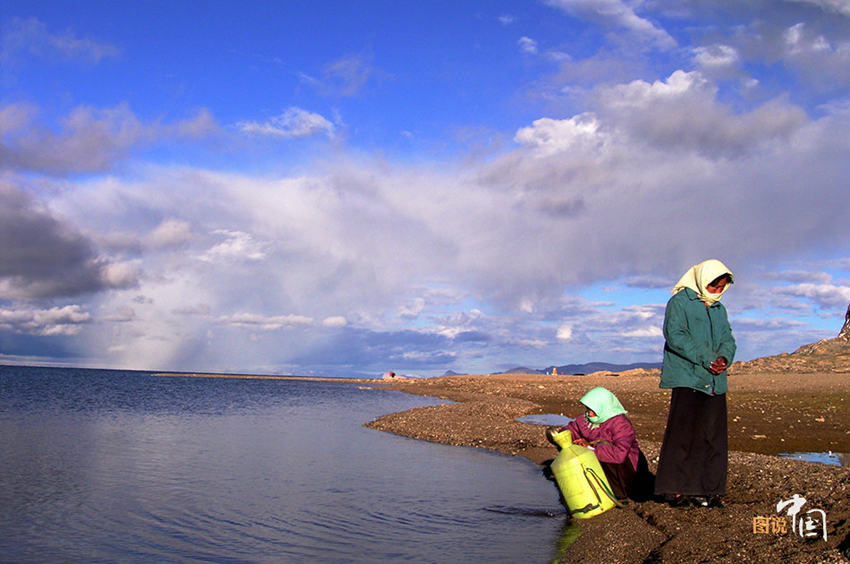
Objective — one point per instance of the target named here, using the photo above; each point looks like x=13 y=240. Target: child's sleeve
x=574 y=428
x=622 y=436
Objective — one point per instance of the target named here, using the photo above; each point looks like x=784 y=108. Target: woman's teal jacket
x=695 y=336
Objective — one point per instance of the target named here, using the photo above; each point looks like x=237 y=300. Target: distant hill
x=585 y=368
x=828 y=355
x=590 y=367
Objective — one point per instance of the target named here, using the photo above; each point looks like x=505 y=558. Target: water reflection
x=569 y=535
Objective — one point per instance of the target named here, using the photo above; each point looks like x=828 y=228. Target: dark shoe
x=699 y=501
x=676 y=500
x=715 y=501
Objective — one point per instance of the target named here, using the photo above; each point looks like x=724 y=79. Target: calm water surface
x=125 y=466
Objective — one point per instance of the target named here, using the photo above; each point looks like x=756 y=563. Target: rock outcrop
x=828 y=355
x=845 y=331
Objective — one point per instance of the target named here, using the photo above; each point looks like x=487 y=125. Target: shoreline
x=270 y=377
x=768 y=414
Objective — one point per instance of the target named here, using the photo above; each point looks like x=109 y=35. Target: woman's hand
x=718 y=366
x=581 y=442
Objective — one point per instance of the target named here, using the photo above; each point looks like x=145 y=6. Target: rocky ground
x=771 y=410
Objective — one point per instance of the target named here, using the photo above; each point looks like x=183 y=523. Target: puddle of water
x=546 y=419
x=831 y=458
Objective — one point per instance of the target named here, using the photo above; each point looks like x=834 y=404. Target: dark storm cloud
x=42 y=257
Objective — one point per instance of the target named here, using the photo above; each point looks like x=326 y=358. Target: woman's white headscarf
x=701 y=275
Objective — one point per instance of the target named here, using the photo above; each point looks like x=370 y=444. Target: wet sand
x=769 y=413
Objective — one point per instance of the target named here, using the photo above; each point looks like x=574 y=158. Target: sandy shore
x=769 y=413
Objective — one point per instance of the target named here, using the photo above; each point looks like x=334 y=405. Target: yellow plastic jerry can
x=580 y=478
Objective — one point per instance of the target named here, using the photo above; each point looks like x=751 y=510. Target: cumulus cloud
x=565 y=333
x=716 y=56
x=683 y=112
x=335 y=321
x=826 y=296
x=647 y=178
x=41 y=256
x=237 y=246
x=721 y=61
x=460 y=324
x=293 y=123
x=579 y=199
x=65 y=320
x=618 y=14
x=822 y=60
x=170 y=233
x=550 y=136
x=651 y=331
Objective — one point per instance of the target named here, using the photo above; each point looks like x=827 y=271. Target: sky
x=349 y=188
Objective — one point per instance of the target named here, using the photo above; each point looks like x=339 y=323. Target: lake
x=125 y=466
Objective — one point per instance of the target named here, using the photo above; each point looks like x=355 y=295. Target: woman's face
x=716 y=286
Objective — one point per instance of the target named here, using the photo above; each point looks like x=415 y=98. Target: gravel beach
x=769 y=413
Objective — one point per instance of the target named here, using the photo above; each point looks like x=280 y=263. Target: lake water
x=125 y=466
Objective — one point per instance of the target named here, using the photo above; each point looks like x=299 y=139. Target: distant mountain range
x=828 y=355
x=585 y=368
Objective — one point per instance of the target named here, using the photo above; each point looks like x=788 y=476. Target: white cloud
x=121 y=275
x=412 y=309
x=825 y=295
x=170 y=233
x=527 y=45
x=716 y=57
x=30 y=36
x=549 y=136
x=237 y=246
x=265 y=323
x=65 y=320
x=565 y=333
x=533 y=343
x=293 y=123
x=90 y=139
x=506 y=19
x=617 y=14
x=651 y=331
x=577 y=201
x=335 y=321
x=683 y=112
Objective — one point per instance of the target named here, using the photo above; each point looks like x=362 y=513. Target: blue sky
x=347 y=188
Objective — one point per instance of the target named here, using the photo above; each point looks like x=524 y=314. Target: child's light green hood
x=603 y=403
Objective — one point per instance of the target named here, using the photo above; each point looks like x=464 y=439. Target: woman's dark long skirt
x=694 y=454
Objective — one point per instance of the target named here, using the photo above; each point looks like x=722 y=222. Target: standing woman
x=699 y=347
